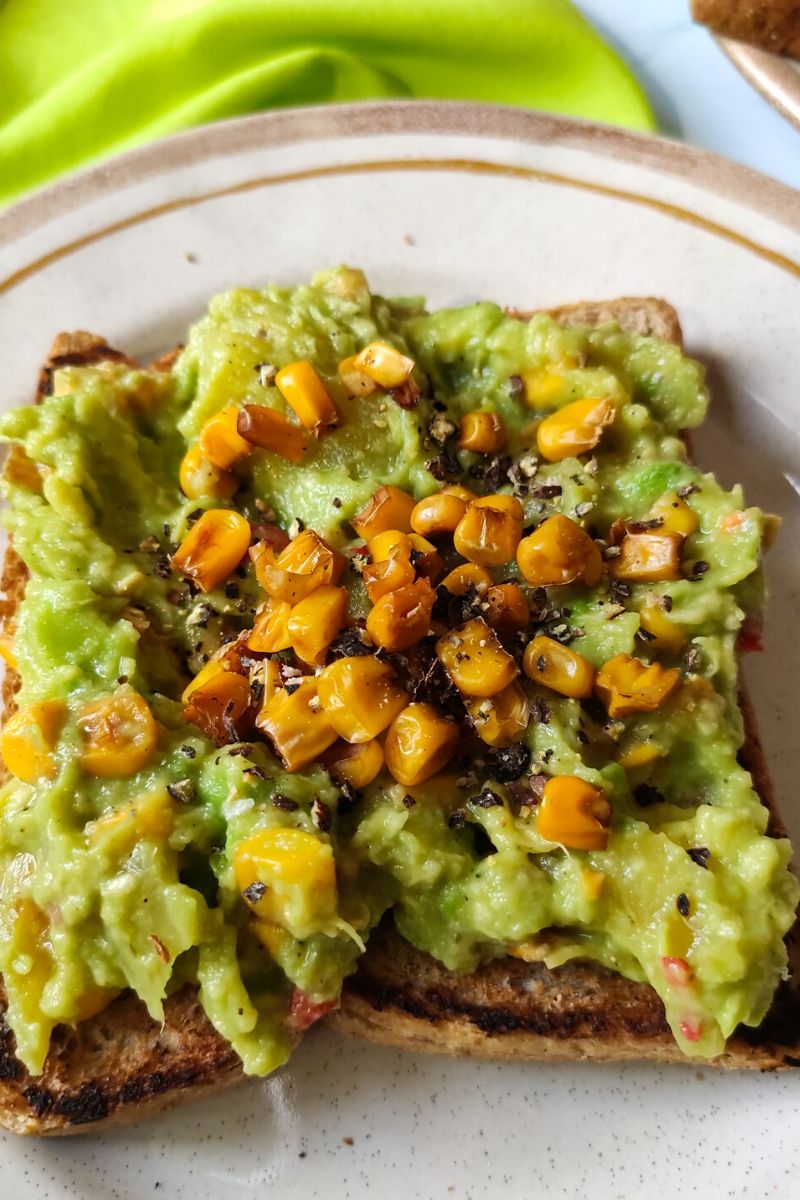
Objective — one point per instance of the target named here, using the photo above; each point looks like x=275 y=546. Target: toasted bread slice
x=772 y=24
x=400 y=996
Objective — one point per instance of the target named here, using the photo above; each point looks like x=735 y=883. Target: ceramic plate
x=461 y=203
x=776 y=77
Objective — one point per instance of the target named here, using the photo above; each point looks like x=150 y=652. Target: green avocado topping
x=143 y=873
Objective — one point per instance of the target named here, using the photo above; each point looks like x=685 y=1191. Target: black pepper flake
x=336 y=502
x=682 y=904
x=255 y=892
x=646 y=795
x=540 y=711
x=541 y=662
x=645 y=635
x=122 y=679
x=321 y=815
x=161 y=568
x=699 y=569
x=699 y=855
x=666 y=603
x=284 y=803
x=166 y=529
x=516 y=385
x=254 y=772
x=692 y=660
x=644 y=525
x=688 y=489
x=256 y=690
x=193 y=516
x=546 y=755
x=445 y=467
x=510 y=762
x=188 y=751
x=183 y=792
x=291 y=686
x=618 y=591
x=350 y=642
x=232 y=590
x=487 y=799
x=349 y=797
x=546 y=491
x=457 y=819
x=495 y=473
x=408 y=801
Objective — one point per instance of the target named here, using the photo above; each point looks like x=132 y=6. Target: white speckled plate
x=458 y=202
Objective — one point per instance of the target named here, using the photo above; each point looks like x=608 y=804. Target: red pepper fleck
x=691 y=1030
x=677 y=971
x=751 y=635
x=304 y=1012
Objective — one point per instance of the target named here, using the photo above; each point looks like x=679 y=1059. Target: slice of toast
x=400 y=996
x=772 y=24
x=120 y=1065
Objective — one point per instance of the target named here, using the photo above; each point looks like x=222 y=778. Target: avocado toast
x=603 y=1013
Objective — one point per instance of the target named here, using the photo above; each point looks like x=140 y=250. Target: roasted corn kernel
x=213 y=547
x=297 y=725
x=270 y=632
x=305 y=563
x=548 y=662
x=199 y=477
x=648 y=557
x=592 y=883
x=401 y=618
x=557 y=553
x=574 y=813
x=458 y=489
x=475 y=660
x=356 y=382
x=502 y=719
x=490 y=530
x=676 y=514
x=384 y=364
x=543 y=388
x=221 y=441
x=297 y=874
x=420 y=741
x=389 y=574
x=382 y=544
x=465 y=576
x=664 y=634
x=304 y=391
x=574 y=429
x=29 y=738
x=627 y=685
x=425 y=557
x=269 y=430
x=355 y=764
x=119 y=734
x=437 y=514
x=640 y=754
x=361 y=696
x=508 y=607
x=389 y=508
x=315 y=622
x=482 y=432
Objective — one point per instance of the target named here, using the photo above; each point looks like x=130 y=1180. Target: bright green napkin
x=81 y=79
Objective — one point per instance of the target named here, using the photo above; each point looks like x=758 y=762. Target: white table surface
x=696 y=92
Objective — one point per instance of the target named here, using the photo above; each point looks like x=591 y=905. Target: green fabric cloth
x=81 y=79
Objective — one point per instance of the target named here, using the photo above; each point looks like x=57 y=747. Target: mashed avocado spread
x=580 y=798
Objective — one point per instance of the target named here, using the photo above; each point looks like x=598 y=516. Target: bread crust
x=772 y=24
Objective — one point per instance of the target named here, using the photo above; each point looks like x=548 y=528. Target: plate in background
x=459 y=202
x=774 y=75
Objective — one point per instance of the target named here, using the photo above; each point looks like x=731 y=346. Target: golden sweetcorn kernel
x=315 y=622
x=648 y=557
x=304 y=391
x=490 y=530
x=559 y=552
x=465 y=576
x=355 y=764
x=356 y=382
x=677 y=515
x=627 y=685
x=361 y=696
x=213 y=547
x=574 y=429
x=475 y=660
x=389 y=508
x=458 y=489
x=198 y=477
x=640 y=754
x=574 y=813
x=297 y=725
x=287 y=877
x=269 y=430
x=221 y=441
x=270 y=632
x=482 y=432
x=543 y=388
x=217 y=701
x=425 y=557
x=502 y=719
x=437 y=514
x=305 y=563
x=22 y=471
x=382 y=544
x=508 y=607
x=387 y=366
x=593 y=883
x=558 y=667
x=386 y=575
x=664 y=634
x=420 y=741
x=211 y=669
x=119 y=734
x=402 y=618
x=29 y=738
x=271 y=680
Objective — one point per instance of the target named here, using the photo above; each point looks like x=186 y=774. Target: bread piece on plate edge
x=120 y=1066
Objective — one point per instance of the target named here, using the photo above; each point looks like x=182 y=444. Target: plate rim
x=774 y=76
x=702 y=168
